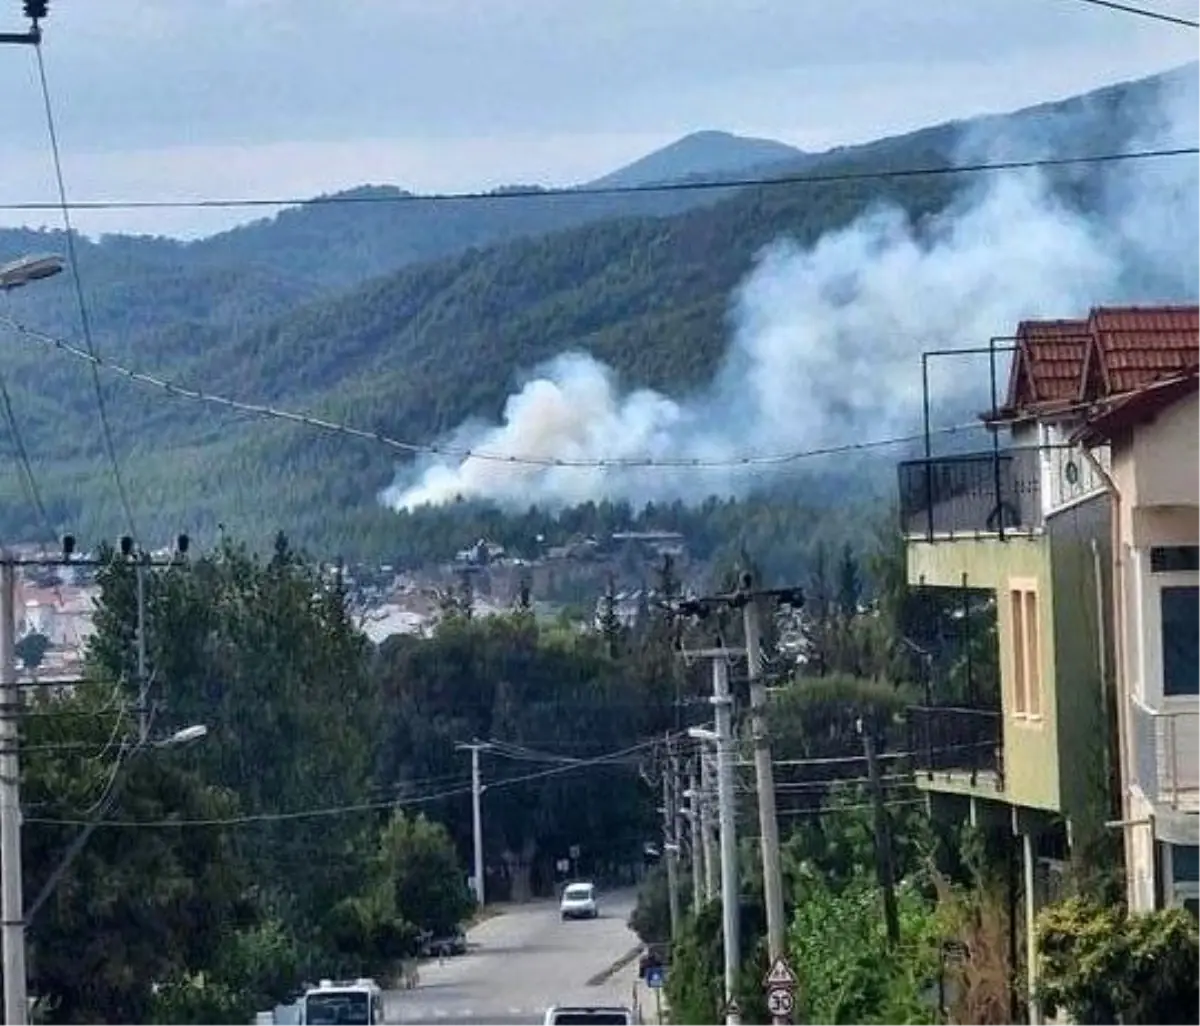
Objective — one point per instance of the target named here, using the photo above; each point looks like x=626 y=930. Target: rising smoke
x=824 y=341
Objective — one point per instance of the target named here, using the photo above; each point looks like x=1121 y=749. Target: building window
x=1180 y=609
x=1185 y=876
x=1026 y=650
x=1171 y=559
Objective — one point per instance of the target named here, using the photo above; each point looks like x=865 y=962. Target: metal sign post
x=780 y=985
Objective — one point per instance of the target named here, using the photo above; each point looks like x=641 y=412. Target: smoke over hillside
x=824 y=341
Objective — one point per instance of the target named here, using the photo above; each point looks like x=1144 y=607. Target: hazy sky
x=171 y=99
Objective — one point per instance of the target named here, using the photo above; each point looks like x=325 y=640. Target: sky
x=182 y=99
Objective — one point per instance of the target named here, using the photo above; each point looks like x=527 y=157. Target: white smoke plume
x=825 y=341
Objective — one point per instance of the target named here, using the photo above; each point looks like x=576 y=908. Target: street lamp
x=33 y=267
x=183 y=737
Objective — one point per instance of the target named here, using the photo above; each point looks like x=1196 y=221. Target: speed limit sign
x=780 y=1002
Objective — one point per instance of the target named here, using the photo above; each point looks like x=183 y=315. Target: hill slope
x=414 y=353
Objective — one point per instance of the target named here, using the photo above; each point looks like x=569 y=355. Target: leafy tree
x=849 y=583
x=122 y=914
x=543 y=690
x=261 y=651
x=31 y=649
x=610 y=622
x=418 y=861
x=651 y=915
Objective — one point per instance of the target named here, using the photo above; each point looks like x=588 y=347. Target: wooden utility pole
x=883 y=840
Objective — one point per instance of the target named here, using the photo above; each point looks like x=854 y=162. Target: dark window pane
x=1167 y=559
x=1185 y=863
x=1180 y=640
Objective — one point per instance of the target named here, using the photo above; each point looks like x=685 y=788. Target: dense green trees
x=319 y=827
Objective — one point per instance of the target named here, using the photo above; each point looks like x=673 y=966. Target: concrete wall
x=1081 y=573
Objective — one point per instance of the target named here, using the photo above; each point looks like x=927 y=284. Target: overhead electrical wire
x=436 y=449
x=700 y=185
x=1142 y=12
x=24 y=468
x=340 y=810
x=85 y=323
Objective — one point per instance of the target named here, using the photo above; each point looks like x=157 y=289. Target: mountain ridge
x=412 y=352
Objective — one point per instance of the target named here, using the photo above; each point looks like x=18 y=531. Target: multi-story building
x=1030 y=524
x=1152 y=436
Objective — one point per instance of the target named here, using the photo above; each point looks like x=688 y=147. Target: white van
x=357 y=1003
x=583 y=1015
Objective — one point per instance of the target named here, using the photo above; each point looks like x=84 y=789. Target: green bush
x=847 y=972
x=1100 y=965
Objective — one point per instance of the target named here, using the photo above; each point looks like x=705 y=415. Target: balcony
x=1166 y=755
x=971 y=494
x=956 y=746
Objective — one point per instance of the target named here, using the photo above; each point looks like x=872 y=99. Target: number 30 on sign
x=780 y=1002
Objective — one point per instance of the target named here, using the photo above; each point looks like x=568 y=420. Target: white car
x=579 y=901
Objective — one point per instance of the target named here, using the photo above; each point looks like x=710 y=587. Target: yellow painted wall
x=1031 y=764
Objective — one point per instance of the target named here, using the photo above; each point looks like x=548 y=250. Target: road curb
x=606 y=974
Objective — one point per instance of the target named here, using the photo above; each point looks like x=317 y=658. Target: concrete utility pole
x=708 y=840
x=722 y=701
x=477 y=789
x=693 y=818
x=671 y=838
x=16 y=1008
x=750 y=602
x=730 y=885
x=768 y=821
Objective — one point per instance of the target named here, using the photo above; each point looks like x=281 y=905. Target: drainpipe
x=1120 y=684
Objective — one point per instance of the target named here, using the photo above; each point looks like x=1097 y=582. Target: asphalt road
x=519 y=963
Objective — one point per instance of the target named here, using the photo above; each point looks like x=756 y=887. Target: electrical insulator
x=35 y=10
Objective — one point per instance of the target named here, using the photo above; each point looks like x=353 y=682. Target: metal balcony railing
x=949 y=740
x=1166 y=754
x=971 y=494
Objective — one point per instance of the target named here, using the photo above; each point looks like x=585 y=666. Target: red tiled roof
x=1116 y=350
x=1135 y=346
x=1047 y=361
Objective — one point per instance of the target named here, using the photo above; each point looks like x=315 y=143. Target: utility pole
x=722 y=702
x=143 y=679
x=693 y=818
x=671 y=838
x=768 y=821
x=477 y=789
x=708 y=841
x=731 y=905
x=883 y=841
x=749 y=600
x=16 y=1008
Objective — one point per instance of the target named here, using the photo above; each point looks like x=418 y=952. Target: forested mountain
x=702 y=154
x=644 y=285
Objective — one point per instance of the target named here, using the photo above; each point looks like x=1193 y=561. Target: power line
x=24 y=467
x=1142 y=12
x=435 y=449
x=702 y=185
x=84 y=320
x=339 y=810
